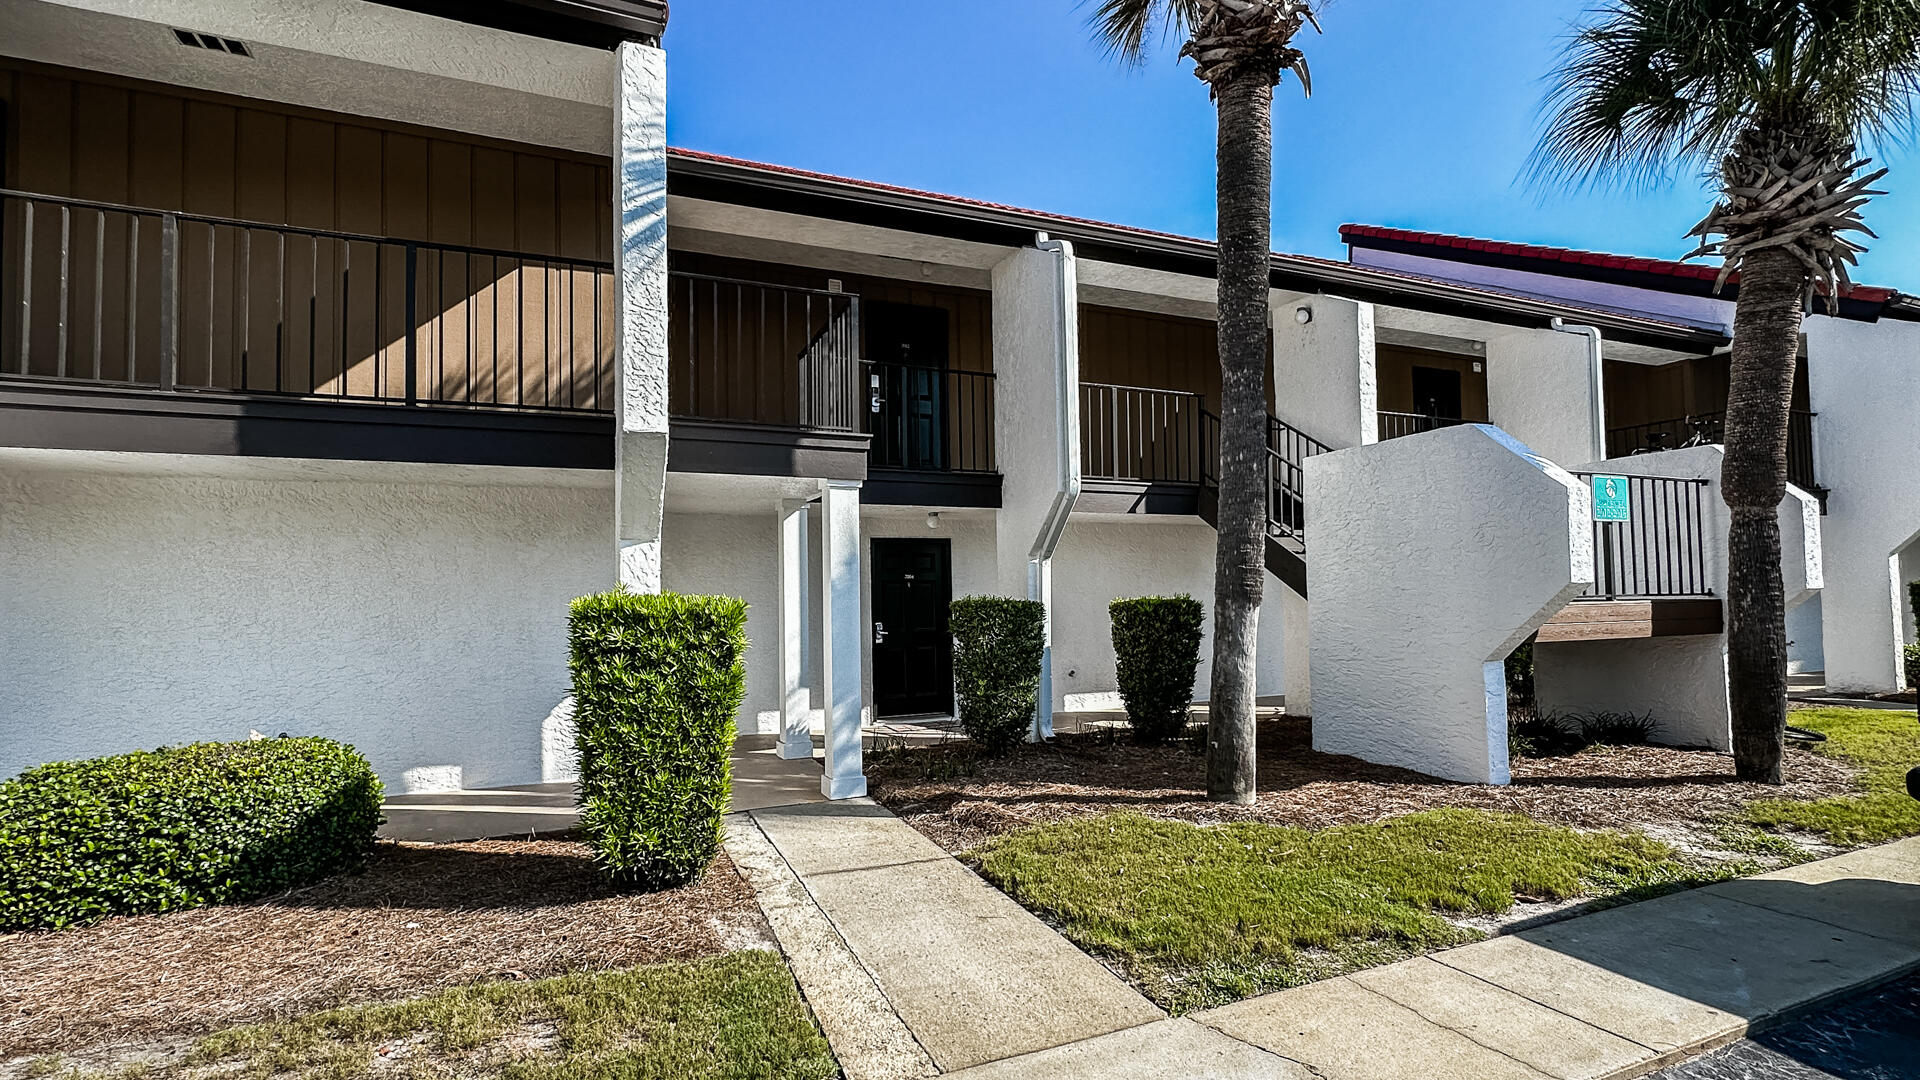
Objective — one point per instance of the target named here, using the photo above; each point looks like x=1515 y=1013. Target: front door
x=907 y=347
x=912 y=652
x=1436 y=392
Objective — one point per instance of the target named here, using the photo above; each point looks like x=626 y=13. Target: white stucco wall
x=1539 y=389
x=1433 y=556
x=1103 y=558
x=1865 y=381
x=1029 y=325
x=1325 y=382
x=422 y=620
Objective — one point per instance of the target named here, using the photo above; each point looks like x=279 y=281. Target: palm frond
x=1126 y=27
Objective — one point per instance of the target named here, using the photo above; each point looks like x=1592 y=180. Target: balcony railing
x=930 y=419
x=1288 y=449
x=116 y=295
x=763 y=354
x=1139 y=433
x=99 y=293
x=1702 y=428
x=1662 y=550
x=1394 y=425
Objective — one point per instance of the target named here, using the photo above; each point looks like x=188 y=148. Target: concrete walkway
x=916 y=966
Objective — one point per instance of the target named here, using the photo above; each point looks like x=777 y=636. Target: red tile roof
x=1353 y=234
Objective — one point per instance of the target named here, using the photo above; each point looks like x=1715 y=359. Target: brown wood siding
x=1394 y=366
x=1157 y=352
x=1651 y=394
x=263 y=310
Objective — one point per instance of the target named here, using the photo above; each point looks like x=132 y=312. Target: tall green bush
x=998 y=643
x=1156 y=651
x=657 y=682
x=159 y=830
x=1912 y=652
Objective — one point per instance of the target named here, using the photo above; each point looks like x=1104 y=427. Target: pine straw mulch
x=1617 y=787
x=419 y=918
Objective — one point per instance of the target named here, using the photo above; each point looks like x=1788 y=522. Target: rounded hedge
x=657 y=683
x=1156 y=651
x=998 y=643
x=179 y=827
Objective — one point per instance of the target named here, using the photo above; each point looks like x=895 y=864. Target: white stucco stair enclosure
x=1677 y=679
x=1434 y=556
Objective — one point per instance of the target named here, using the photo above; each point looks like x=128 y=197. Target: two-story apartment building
x=343 y=342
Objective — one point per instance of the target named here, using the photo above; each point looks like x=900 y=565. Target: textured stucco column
x=1680 y=680
x=796 y=703
x=1539 y=391
x=640 y=312
x=1036 y=398
x=1865 y=383
x=1434 y=556
x=1325 y=382
x=841 y=637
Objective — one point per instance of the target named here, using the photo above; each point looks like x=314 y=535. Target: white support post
x=640 y=313
x=841 y=637
x=796 y=702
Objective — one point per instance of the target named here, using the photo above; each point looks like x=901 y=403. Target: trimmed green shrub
x=998 y=642
x=1912 y=665
x=1156 y=650
x=657 y=682
x=179 y=827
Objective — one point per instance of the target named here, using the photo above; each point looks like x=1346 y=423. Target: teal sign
x=1610 y=500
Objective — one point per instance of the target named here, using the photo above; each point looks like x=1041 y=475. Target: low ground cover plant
x=1201 y=915
x=159 y=830
x=737 y=1015
x=1885 y=744
x=997 y=646
x=1551 y=734
x=1156 y=651
x=657 y=682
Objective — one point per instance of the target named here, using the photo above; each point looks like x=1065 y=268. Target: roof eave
x=599 y=24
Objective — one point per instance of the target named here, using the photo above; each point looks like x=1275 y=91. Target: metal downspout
x=1066 y=370
x=1596 y=381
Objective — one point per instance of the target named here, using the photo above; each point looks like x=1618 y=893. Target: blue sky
x=1422 y=118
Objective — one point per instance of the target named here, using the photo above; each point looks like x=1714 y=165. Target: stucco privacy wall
x=1434 y=555
x=1865 y=380
x=424 y=622
x=1102 y=559
x=1539 y=390
x=1681 y=681
x=1324 y=378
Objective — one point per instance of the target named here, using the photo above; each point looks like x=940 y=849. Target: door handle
x=879 y=633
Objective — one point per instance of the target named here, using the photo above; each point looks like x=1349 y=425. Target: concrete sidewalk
x=915 y=966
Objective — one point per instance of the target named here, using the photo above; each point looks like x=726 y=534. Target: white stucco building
x=342 y=343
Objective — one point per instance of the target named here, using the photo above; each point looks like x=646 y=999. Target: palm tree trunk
x=1244 y=160
x=1753 y=480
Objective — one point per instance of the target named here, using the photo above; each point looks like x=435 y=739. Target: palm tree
x=1240 y=48
x=1770 y=98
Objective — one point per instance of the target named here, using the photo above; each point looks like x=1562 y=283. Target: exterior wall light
x=1303 y=315
x=933 y=519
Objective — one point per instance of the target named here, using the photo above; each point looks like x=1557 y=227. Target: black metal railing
x=763 y=354
x=1394 y=425
x=928 y=418
x=117 y=295
x=1139 y=433
x=1661 y=550
x=1704 y=428
x=1288 y=449
x=114 y=295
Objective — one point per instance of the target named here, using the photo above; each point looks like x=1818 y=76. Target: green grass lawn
x=1205 y=915
x=1885 y=745
x=734 y=1016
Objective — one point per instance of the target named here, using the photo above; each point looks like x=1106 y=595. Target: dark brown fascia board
x=816 y=196
x=599 y=24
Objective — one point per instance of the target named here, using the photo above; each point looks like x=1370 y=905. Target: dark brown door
x=1436 y=393
x=912 y=651
x=907 y=348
